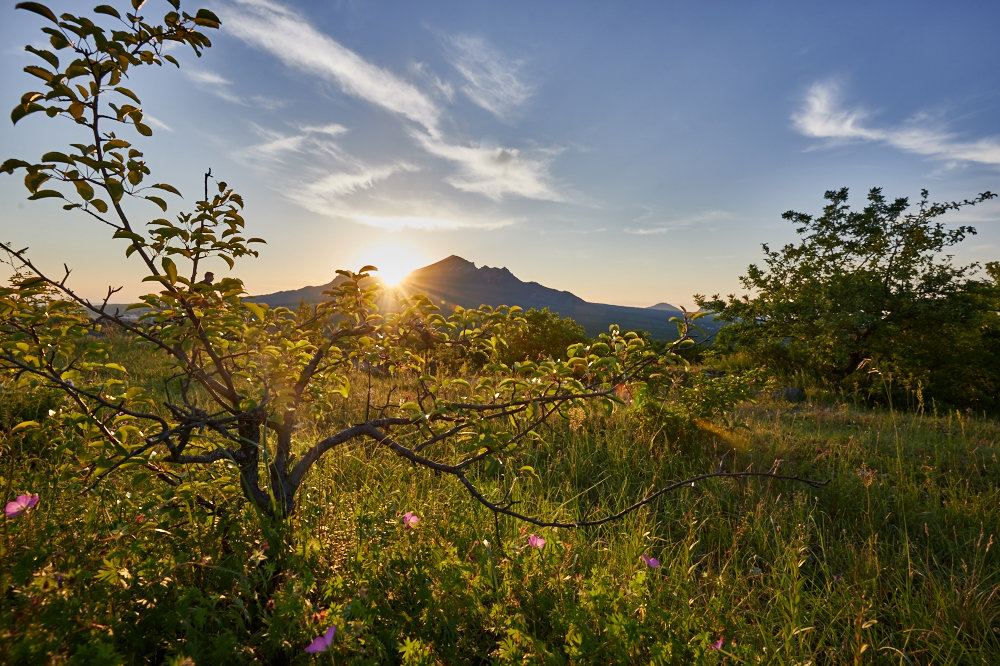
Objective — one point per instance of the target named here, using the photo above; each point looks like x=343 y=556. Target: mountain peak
x=457 y=281
x=452 y=262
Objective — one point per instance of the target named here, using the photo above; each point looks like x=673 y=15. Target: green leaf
x=128 y=93
x=34 y=180
x=47 y=56
x=207 y=19
x=84 y=189
x=76 y=109
x=21 y=110
x=45 y=194
x=132 y=236
x=40 y=72
x=167 y=187
x=100 y=205
x=56 y=38
x=37 y=8
x=144 y=130
x=156 y=278
x=54 y=156
x=159 y=202
x=115 y=189
x=10 y=165
x=107 y=9
x=170 y=268
x=23 y=425
x=256 y=309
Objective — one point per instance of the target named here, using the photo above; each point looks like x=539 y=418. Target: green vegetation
x=222 y=482
x=893 y=561
x=872 y=295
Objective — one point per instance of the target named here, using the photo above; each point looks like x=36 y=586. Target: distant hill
x=457 y=281
x=666 y=307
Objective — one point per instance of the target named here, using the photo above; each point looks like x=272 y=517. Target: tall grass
x=893 y=561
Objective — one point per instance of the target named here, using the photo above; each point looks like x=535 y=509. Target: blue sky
x=630 y=153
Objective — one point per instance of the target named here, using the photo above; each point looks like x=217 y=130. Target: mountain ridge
x=456 y=281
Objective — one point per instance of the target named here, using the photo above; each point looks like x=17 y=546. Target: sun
x=393 y=260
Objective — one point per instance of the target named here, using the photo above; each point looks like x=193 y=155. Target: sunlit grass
x=893 y=561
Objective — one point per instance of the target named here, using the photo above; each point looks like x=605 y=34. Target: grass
x=893 y=561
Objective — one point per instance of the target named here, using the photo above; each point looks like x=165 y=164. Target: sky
x=632 y=153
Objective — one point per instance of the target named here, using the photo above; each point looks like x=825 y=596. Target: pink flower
x=651 y=562
x=22 y=504
x=536 y=541
x=717 y=646
x=410 y=520
x=321 y=643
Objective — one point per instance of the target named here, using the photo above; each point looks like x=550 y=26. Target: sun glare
x=394 y=261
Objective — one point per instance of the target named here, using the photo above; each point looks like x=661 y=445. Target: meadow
x=224 y=482
x=894 y=560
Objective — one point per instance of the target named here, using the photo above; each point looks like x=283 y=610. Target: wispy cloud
x=221 y=87
x=398 y=223
x=657 y=222
x=292 y=39
x=822 y=116
x=333 y=187
x=496 y=171
x=396 y=214
x=309 y=167
x=330 y=129
x=155 y=122
x=443 y=88
x=207 y=78
x=277 y=146
x=492 y=81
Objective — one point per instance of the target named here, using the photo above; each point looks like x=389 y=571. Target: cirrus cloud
x=822 y=116
x=492 y=81
x=496 y=171
x=294 y=41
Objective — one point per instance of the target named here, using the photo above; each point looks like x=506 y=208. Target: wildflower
x=651 y=562
x=536 y=541
x=22 y=504
x=410 y=520
x=321 y=643
x=717 y=645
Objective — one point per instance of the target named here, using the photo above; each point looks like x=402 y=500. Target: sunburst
x=394 y=261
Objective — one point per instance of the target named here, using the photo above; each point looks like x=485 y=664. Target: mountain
x=457 y=281
x=666 y=307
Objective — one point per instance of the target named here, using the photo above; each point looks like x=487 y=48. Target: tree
x=245 y=376
x=544 y=335
x=862 y=290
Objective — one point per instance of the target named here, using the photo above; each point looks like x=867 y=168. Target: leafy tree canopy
x=862 y=290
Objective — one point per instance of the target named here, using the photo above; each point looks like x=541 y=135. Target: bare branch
x=507 y=511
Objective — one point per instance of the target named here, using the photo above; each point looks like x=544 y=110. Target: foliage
x=543 y=335
x=869 y=294
x=898 y=559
